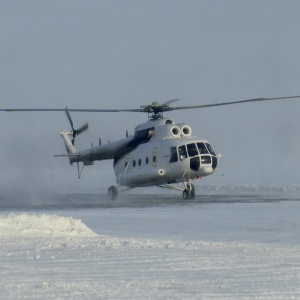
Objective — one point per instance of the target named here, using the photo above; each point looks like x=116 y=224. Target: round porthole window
x=133 y=163
x=147 y=160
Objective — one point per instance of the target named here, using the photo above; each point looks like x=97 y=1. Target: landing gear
x=113 y=193
x=189 y=192
x=185 y=194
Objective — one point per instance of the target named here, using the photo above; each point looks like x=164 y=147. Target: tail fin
x=69 y=147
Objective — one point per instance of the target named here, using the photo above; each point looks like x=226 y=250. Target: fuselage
x=164 y=153
x=159 y=153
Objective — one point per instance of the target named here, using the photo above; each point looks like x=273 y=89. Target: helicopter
x=160 y=153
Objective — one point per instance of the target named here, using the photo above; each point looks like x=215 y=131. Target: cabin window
x=126 y=164
x=192 y=150
x=134 y=163
x=147 y=160
x=202 y=149
x=182 y=152
x=173 y=155
x=154 y=158
x=140 y=162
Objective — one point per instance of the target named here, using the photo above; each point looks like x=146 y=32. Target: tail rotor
x=75 y=132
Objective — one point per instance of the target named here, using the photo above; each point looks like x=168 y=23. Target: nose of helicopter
x=206 y=170
x=208 y=164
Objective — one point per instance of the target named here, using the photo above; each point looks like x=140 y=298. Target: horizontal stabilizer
x=67 y=155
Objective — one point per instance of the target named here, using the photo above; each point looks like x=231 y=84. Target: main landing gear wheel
x=185 y=194
x=189 y=192
x=112 y=193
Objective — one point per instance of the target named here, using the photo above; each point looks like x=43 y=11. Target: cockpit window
x=182 y=152
x=173 y=155
x=202 y=149
x=210 y=149
x=192 y=150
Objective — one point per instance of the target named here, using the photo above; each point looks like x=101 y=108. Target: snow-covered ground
x=241 y=246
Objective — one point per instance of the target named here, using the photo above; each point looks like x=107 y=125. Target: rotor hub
x=155 y=110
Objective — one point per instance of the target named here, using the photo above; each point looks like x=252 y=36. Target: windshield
x=210 y=149
x=192 y=150
x=202 y=149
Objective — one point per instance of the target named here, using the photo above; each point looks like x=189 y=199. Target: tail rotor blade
x=69 y=118
x=75 y=131
x=85 y=127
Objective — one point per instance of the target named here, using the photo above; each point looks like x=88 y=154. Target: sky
x=124 y=54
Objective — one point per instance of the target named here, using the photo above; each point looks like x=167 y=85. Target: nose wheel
x=189 y=192
x=113 y=193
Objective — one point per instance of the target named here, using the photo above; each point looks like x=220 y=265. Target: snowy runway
x=247 y=250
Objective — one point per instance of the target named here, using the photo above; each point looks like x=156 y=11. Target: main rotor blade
x=231 y=102
x=69 y=109
x=170 y=101
x=164 y=108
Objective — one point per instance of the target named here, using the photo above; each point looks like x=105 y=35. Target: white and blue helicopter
x=160 y=153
